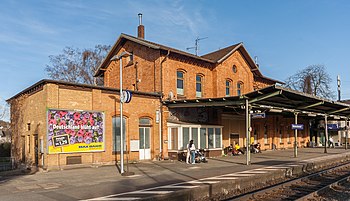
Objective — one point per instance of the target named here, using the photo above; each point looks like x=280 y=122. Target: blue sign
x=298 y=126
x=332 y=126
x=258 y=115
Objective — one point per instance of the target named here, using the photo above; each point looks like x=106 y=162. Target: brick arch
x=145 y=115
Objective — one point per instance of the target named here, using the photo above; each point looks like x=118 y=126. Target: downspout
x=136 y=77
x=161 y=107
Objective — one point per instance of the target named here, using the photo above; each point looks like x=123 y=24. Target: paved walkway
x=151 y=177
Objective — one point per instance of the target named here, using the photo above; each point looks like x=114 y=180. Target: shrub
x=5 y=149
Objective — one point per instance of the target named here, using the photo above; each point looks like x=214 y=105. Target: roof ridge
x=219 y=54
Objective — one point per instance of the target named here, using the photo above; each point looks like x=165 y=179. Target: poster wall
x=72 y=131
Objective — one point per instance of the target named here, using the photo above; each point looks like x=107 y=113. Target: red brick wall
x=147 y=62
x=33 y=110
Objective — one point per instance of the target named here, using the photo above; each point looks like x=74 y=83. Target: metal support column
x=247 y=121
x=296 y=136
x=326 y=133
x=346 y=133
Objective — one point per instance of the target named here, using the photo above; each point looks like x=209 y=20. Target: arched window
x=180 y=83
x=239 y=88
x=144 y=121
x=228 y=87
x=199 y=82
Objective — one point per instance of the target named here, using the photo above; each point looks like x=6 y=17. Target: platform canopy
x=274 y=98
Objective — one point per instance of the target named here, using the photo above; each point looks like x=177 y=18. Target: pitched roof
x=217 y=55
x=212 y=58
x=124 y=37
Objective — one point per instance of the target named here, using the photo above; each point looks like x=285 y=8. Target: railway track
x=310 y=187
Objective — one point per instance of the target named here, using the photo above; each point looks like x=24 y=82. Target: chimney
x=140 y=28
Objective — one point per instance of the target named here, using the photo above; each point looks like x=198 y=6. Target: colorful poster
x=75 y=131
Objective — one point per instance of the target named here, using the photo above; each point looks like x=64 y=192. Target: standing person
x=188 y=153
x=331 y=142
x=192 y=151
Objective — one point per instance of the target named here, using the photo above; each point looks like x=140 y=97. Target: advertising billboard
x=70 y=131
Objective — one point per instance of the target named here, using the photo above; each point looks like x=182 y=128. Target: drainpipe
x=346 y=133
x=161 y=107
x=136 y=77
x=326 y=133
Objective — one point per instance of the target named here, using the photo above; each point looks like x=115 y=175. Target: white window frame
x=200 y=82
x=180 y=91
x=180 y=136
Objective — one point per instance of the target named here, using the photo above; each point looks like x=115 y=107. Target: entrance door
x=36 y=150
x=234 y=138
x=145 y=151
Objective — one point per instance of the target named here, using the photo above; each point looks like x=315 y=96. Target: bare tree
x=312 y=80
x=75 y=65
x=4 y=110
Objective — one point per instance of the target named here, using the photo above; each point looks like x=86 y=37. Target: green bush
x=5 y=149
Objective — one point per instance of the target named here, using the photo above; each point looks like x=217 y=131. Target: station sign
x=126 y=96
x=260 y=115
x=332 y=126
x=298 y=126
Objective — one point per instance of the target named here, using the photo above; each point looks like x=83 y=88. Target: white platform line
x=238 y=174
x=109 y=199
x=276 y=167
x=231 y=176
x=254 y=171
x=222 y=178
x=170 y=186
x=203 y=182
x=135 y=175
x=153 y=192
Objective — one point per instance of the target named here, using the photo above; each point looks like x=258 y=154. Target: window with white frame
x=204 y=137
x=217 y=137
x=239 y=88
x=228 y=86
x=194 y=135
x=185 y=137
x=199 y=80
x=180 y=83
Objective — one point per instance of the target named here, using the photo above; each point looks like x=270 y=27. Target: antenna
x=196 y=45
x=338 y=83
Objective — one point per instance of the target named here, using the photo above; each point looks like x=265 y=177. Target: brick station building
x=57 y=123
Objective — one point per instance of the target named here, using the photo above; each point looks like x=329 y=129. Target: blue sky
x=286 y=36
